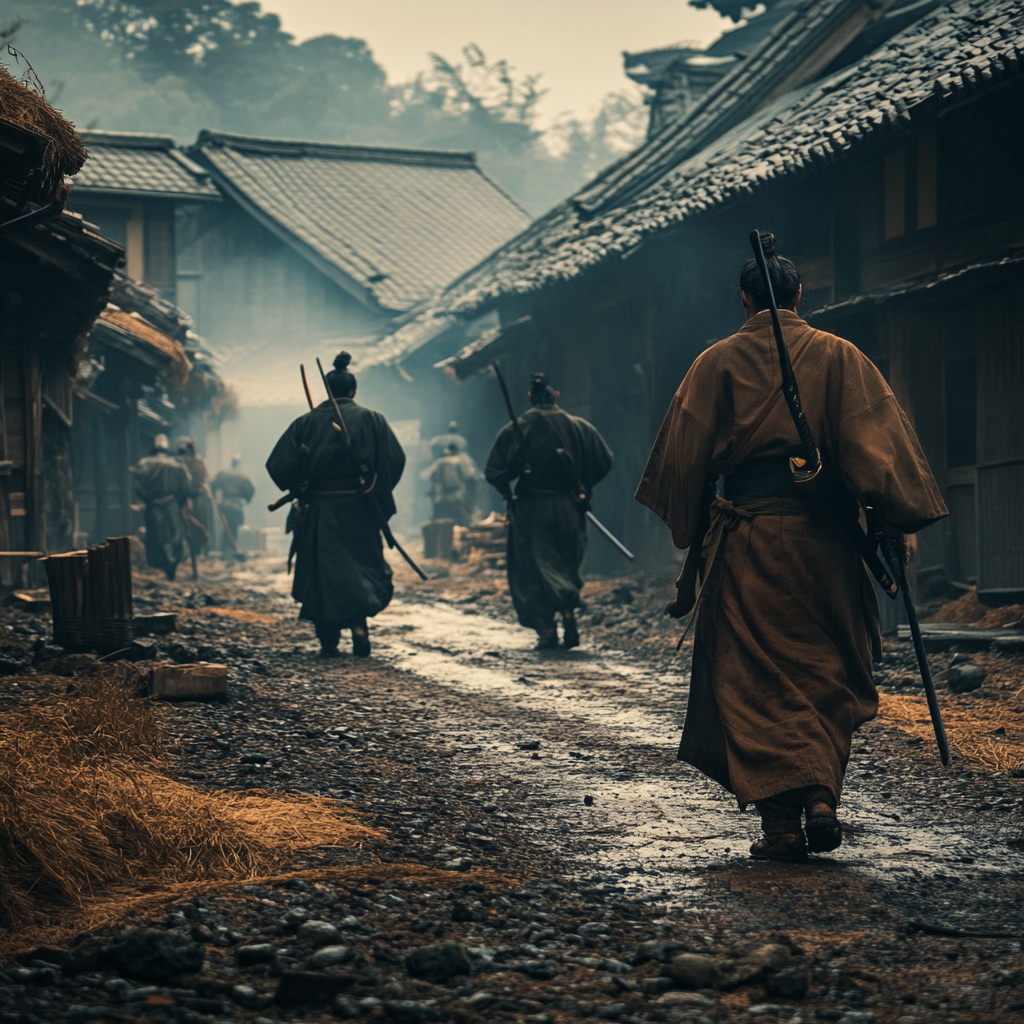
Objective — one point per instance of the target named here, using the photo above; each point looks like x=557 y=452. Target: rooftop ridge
x=734 y=98
x=336 y=150
x=955 y=52
x=127 y=140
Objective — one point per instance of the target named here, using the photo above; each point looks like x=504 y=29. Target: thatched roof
x=178 y=365
x=64 y=153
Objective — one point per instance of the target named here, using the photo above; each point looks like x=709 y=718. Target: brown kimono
x=787 y=620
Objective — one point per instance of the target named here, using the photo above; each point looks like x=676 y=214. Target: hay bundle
x=970 y=611
x=64 y=154
x=86 y=814
x=983 y=733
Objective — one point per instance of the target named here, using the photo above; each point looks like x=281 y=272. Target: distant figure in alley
x=236 y=491
x=162 y=482
x=452 y=436
x=199 y=510
x=340 y=470
x=453 y=481
x=786 y=618
x=556 y=468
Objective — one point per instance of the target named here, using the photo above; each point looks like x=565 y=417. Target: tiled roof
x=950 y=53
x=772 y=69
x=391 y=225
x=137 y=163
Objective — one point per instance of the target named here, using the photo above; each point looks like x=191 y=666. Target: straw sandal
x=570 y=632
x=824 y=833
x=780 y=846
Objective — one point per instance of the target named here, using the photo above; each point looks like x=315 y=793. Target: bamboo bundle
x=91 y=595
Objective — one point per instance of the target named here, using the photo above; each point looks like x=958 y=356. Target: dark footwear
x=329 y=652
x=570 y=633
x=548 y=640
x=360 y=644
x=781 y=846
x=824 y=833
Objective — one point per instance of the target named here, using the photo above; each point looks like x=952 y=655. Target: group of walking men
x=183 y=505
x=786 y=621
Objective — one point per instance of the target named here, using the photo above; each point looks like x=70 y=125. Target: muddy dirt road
x=473 y=751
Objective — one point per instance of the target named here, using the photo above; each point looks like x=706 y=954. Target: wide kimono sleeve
x=285 y=462
x=597 y=456
x=182 y=483
x=877 y=449
x=141 y=477
x=390 y=464
x=504 y=463
x=680 y=461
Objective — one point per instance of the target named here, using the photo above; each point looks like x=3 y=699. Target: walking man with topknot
x=786 y=620
x=338 y=469
x=556 y=468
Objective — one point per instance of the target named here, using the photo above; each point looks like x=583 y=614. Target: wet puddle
x=656 y=829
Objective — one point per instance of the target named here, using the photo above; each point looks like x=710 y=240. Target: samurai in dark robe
x=787 y=620
x=163 y=483
x=341 y=577
x=561 y=459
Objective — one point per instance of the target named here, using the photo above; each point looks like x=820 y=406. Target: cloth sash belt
x=340 y=487
x=762 y=478
x=757 y=487
x=165 y=500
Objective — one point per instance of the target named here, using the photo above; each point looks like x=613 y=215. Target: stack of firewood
x=485 y=540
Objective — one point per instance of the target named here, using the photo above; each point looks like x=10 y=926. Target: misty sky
x=576 y=44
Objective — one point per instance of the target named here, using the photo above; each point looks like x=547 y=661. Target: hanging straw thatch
x=87 y=818
x=65 y=154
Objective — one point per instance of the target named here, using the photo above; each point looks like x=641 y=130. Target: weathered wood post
x=91 y=595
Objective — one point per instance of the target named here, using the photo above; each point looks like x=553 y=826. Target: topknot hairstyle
x=784 y=276
x=540 y=389
x=339 y=380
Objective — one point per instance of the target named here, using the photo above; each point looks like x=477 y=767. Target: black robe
x=341 y=576
x=548 y=532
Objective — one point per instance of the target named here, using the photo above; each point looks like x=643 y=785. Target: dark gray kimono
x=164 y=484
x=341 y=576
x=548 y=531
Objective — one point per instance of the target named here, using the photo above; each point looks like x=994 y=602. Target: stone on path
x=692 y=970
x=317 y=933
x=439 y=962
x=189 y=682
x=157 y=956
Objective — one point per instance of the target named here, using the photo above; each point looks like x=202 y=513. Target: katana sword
x=811 y=466
x=611 y=536
x=305 y=387
x=286 y=499
x=899 y=565
x=518 y=431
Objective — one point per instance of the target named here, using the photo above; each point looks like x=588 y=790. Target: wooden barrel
x=91 y=596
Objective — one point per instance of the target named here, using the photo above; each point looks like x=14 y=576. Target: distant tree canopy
x=175 y=66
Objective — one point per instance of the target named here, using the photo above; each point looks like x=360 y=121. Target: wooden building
x=56 y=275
x=317 y=247
x=145 y=373
x=144 y=193
x=891 y=176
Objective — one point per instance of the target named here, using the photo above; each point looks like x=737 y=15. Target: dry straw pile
x=89 y=826
x=984 y=733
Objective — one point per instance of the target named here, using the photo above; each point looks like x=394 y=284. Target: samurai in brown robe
x=786 y=621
